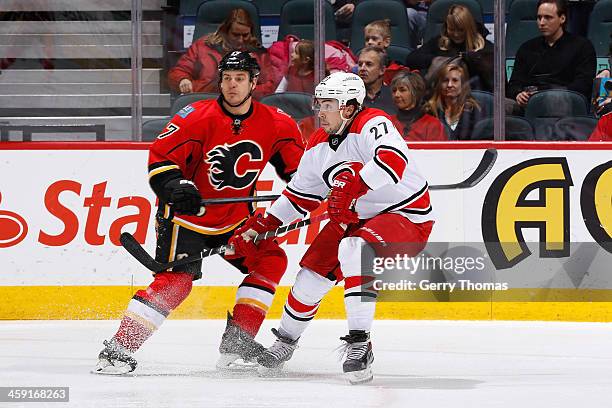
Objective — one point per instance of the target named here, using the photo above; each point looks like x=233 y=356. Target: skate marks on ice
x=381 y=380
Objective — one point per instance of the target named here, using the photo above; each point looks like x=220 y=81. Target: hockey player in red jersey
x=212 y=149
x=377 y=197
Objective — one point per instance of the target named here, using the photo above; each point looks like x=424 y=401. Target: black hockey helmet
x=239 y=61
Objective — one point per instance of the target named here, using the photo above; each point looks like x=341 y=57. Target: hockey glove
x=184 y=197
x=242 y=240
x=347 y=188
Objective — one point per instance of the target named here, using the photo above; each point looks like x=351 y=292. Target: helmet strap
x=346 y=121
x=246 y=98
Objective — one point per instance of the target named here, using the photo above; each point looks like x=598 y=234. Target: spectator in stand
x=460 y=36
x=343 y=15
x=417 y=19
x=408 y=90
x=378 y=34
x=557 y=59
x=372 y=62
x=196 y=70
x=603 y=131
x=300 y=76
x=602 y=103
x=452 y=102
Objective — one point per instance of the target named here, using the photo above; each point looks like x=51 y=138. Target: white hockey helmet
x=342 y=86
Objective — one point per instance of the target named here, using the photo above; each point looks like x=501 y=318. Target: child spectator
x=300 y=76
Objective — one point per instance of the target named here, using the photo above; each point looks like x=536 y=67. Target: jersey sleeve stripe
x=301 y=205
x=162 y=169
x=304 y=195
x=392 y=161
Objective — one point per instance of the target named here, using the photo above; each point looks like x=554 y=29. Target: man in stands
x=557 y=59
x=372 y=62
x=213 y=149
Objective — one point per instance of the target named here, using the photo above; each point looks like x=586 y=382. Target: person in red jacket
x=196 y=70
x=603 y=131
x=408 y=90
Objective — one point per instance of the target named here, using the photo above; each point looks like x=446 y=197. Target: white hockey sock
x=359 y=296
x=303 y=302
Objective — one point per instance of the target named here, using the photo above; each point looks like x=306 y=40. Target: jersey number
x=169 y=129
x=375 y=130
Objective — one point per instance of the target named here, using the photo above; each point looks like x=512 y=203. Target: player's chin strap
x=346 y=121
x=243 y=101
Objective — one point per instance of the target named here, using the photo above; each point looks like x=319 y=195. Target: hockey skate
x=114 y=360
x=274 y=357
x=238 y=349
x=359 y=357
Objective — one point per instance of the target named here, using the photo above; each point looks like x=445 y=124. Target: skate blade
x=360 y=377
x=270 y=371
x=106 y=368
x=233 y=362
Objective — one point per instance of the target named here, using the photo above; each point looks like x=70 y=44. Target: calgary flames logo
x=229 y=169
x=13 y=228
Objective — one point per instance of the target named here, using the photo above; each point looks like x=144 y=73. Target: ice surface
x=417 y=364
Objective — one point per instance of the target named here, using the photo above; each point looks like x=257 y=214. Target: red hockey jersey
x=603 y=131
x=223 y=155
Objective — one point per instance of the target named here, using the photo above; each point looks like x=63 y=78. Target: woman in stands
x=300 y=76
x=460 y=37
x=452 y=102
x=408 y=90
x=196 y=70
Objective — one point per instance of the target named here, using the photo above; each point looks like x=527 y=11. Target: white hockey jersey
x=388 y=169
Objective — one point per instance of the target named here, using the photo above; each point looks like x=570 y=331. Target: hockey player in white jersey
x=376 y=196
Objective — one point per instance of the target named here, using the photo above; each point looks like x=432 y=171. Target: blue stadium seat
x=152 y=128
x=574 y=128
x=546 y=107
x=517 y=128
x=297 y=104
x=297 y=18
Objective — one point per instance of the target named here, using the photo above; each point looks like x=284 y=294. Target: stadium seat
x=437 y=15
x=485 y=100
x=369 y=11
x=297 y=104
x=517 y=128
x=522 y=26
x=545 y=108
x=269 y=7
x=600 y=27
x=189 y=7
x=574 y=128
x=186 y=99
x=297 y=18
x=152 y=128
x=211 y=14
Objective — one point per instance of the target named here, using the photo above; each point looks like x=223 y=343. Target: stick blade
x=131 y=245
x=484 y=167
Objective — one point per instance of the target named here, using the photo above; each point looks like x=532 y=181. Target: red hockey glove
x=346 y=189
x=242 y=240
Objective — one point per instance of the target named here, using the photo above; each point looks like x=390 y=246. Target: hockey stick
x=483 y=168
x=231 y=200
x=137 y=251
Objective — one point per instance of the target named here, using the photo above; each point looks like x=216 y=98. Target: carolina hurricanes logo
x=229 y=168
x=13 y=228
x=332 y=172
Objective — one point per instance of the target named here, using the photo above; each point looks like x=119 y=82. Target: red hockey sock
x=248 y=318
x=132 y=334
